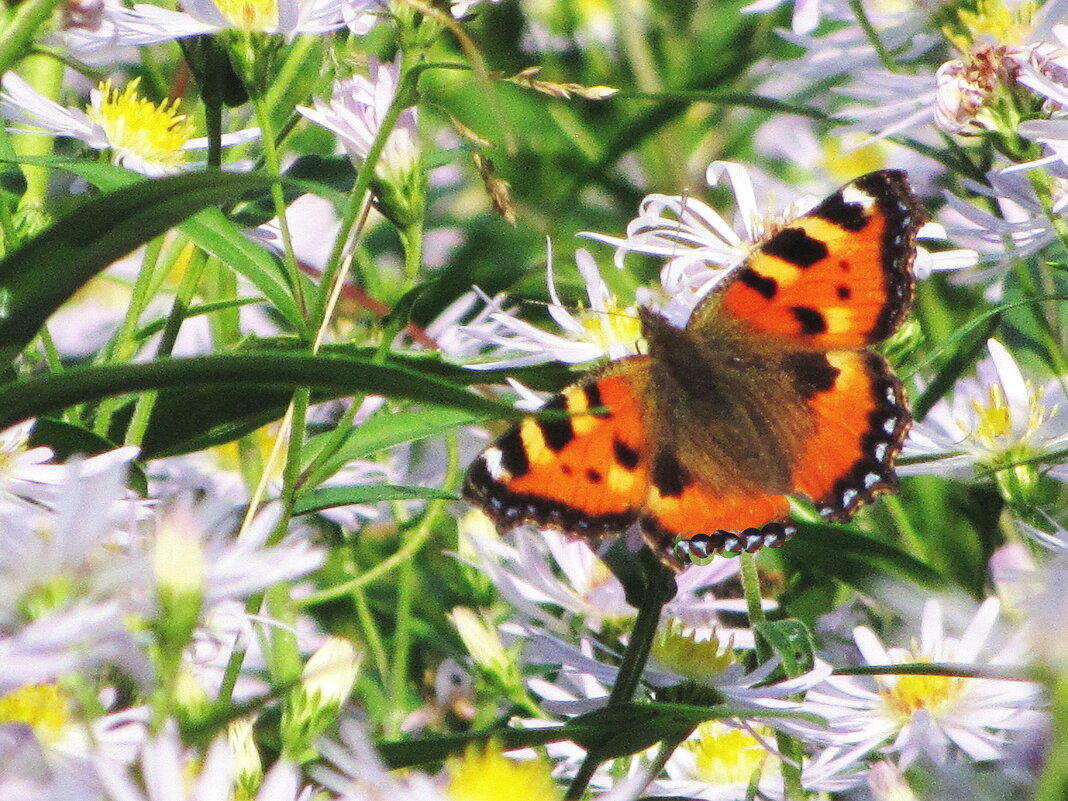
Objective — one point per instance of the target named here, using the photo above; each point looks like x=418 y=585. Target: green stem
x=21 y=30
x=413 y=541
x=754 y=603
x=186 y=290
x=873 y=35
x=124 y=345
x=1053 y=783
x=398 y=675
x=658 y=591
x=403 y=99
x=788 y=746
x=273 y=165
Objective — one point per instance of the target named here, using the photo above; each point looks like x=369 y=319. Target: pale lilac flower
x=354 y=770
x=545 y=572
x=996 y=418
x=68 y=546
x=76 y=640
x=355 y=112
x=604 y=330
x=30 y=478
x=912 y=716
x=168 y=771
x=748 y=688
x=806 y=13
x=146 y=24
x=144 y=137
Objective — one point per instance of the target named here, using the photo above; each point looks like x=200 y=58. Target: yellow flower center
x=250 y=15
x=995 y=20
x=910 y=694
x=614 y=326
x=43 y=707
x=726 y=755
x=697 y=660
x=487 y=775
x=139 y=127
x=993 y=428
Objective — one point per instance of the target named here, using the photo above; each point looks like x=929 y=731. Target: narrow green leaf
x=329 y=497
x=855 y=558
x=40 y=394
x=44 y=272
x=386 y=429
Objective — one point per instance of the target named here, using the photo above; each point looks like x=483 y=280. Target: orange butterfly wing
x=840 y=276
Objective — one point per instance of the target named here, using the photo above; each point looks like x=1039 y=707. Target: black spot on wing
x=557 y=432
x=763 y=285
x=811 y=320
x=594 y=476
x=625 y=455
x=513 y=453
x=669 y=477
x=793 y=245
x=844 y=292
x=835 y=209
x=593 y=399
x=811 y=372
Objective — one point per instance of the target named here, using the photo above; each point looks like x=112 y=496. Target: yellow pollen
x=993 y=428
x=998 y=21
x=613 y=326
x=43 y=707
x=697 y=660
x=486 y=775
x=139 y=127
x=910 y=694
x=726 y=755
x=251 y=15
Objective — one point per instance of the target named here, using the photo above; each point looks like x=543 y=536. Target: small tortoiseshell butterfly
x=769 y=390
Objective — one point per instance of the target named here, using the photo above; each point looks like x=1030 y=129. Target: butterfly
x=769 y=390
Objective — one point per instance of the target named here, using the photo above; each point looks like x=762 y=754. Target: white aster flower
x=727 y=676
x=718 y=762
x=167 y=771
x=68 y=547
x=546 y=571
x=604 y=330
x=146 y=24
x=354 y=770
x=144 y=137
x=997 y=419
x=922 y=715
x=355 y=112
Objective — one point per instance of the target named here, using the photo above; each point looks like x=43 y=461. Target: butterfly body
x=769 y=390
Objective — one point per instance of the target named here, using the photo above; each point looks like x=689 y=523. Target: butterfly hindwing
x=583 y=471
x=839 y=276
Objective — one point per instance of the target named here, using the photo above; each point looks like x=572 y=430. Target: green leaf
x=791 y=640
x=386 y=429
x=329 y=497
x=36 y=395
x=855 y=558
x=44 y=272
x=210 y=230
